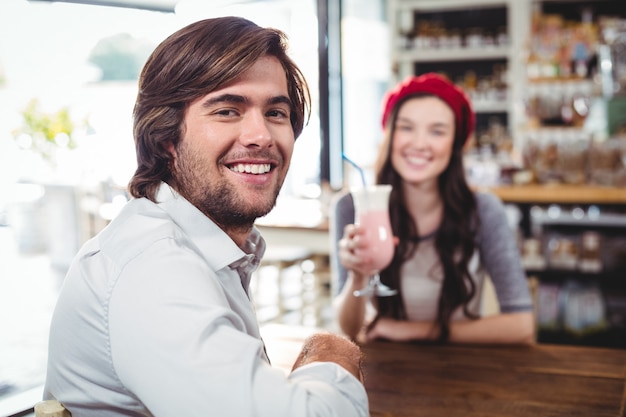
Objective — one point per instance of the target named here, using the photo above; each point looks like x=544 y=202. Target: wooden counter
x=560 y=194
x=407 y=380
x=508 y=381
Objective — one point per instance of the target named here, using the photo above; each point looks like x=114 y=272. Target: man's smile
x=251 y=168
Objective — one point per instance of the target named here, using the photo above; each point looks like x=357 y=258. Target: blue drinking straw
x=358 y=168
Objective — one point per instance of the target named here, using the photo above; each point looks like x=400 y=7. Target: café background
x=68 y=84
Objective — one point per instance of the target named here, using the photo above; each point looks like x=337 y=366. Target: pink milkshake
x=371 y=206
x=379 y=237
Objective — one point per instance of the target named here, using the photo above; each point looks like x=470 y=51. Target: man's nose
x=255 y=130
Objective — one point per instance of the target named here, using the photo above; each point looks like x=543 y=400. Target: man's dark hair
x=189 y=64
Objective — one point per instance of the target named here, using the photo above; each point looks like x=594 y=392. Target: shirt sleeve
x=181 y=349
x=313 y=376
x=341 y=215
x=500 y=255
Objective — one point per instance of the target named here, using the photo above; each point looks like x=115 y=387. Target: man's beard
x=217 y=198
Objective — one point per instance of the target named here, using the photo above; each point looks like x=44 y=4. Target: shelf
x=487 y=56
x=559 y=275
x=611 y=338
x=568 y=219
x=453 y=54
x=560 y=80
x=430 y=5
x=490 y=106
x=559 y=194
x=552 y=129
x=574 y=307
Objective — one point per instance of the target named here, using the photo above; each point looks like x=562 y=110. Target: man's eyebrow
x=224 y=98
x=235 y=98
x=279 y=100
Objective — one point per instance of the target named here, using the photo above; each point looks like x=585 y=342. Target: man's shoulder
x=140 y=223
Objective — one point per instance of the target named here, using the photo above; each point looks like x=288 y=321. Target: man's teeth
x=251 y=168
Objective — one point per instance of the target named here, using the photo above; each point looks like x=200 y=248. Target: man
x=154 y=317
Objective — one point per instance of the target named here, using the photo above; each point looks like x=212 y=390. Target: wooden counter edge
x=622 y=410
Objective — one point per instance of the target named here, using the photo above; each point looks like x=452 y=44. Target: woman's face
x=423 y=138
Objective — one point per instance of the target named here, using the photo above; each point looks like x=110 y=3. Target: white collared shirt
x=154 y=319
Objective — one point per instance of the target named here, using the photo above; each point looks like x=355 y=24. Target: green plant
x=44 y=132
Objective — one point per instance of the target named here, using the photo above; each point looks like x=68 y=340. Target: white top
x=154 y=319
x=422 y=278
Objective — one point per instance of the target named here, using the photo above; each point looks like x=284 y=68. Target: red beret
x=439 y=86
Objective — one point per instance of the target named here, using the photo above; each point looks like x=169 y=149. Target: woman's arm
x=515 y=328
x=351 y=311
x=500 y=255
x=508 y=328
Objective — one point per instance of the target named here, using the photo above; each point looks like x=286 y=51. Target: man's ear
x=169 y=147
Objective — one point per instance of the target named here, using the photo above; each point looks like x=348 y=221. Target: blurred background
x=547 y=79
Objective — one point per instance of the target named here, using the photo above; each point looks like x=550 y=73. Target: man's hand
x=328 y=347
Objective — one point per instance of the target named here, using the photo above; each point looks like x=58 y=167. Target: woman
x=449 y=238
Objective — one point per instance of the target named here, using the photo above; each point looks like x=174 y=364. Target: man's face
x=236 y=148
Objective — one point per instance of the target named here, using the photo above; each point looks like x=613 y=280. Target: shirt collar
x=213 y=243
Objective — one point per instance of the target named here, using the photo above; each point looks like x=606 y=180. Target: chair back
x=51 y=408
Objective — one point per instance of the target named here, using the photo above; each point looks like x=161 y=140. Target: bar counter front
x=405 y=379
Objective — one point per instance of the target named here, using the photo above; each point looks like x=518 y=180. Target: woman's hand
x=399 y=330
x=386 y=328
x=353 y=251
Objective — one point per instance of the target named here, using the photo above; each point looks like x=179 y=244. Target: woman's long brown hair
x=454 y=240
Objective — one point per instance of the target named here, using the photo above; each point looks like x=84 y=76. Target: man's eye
x=278 y=113
x=226 y=112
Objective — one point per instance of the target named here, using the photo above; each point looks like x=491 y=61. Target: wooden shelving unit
x=510 y=16
x=578 y=209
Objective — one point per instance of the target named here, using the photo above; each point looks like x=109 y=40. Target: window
x=75 y=66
